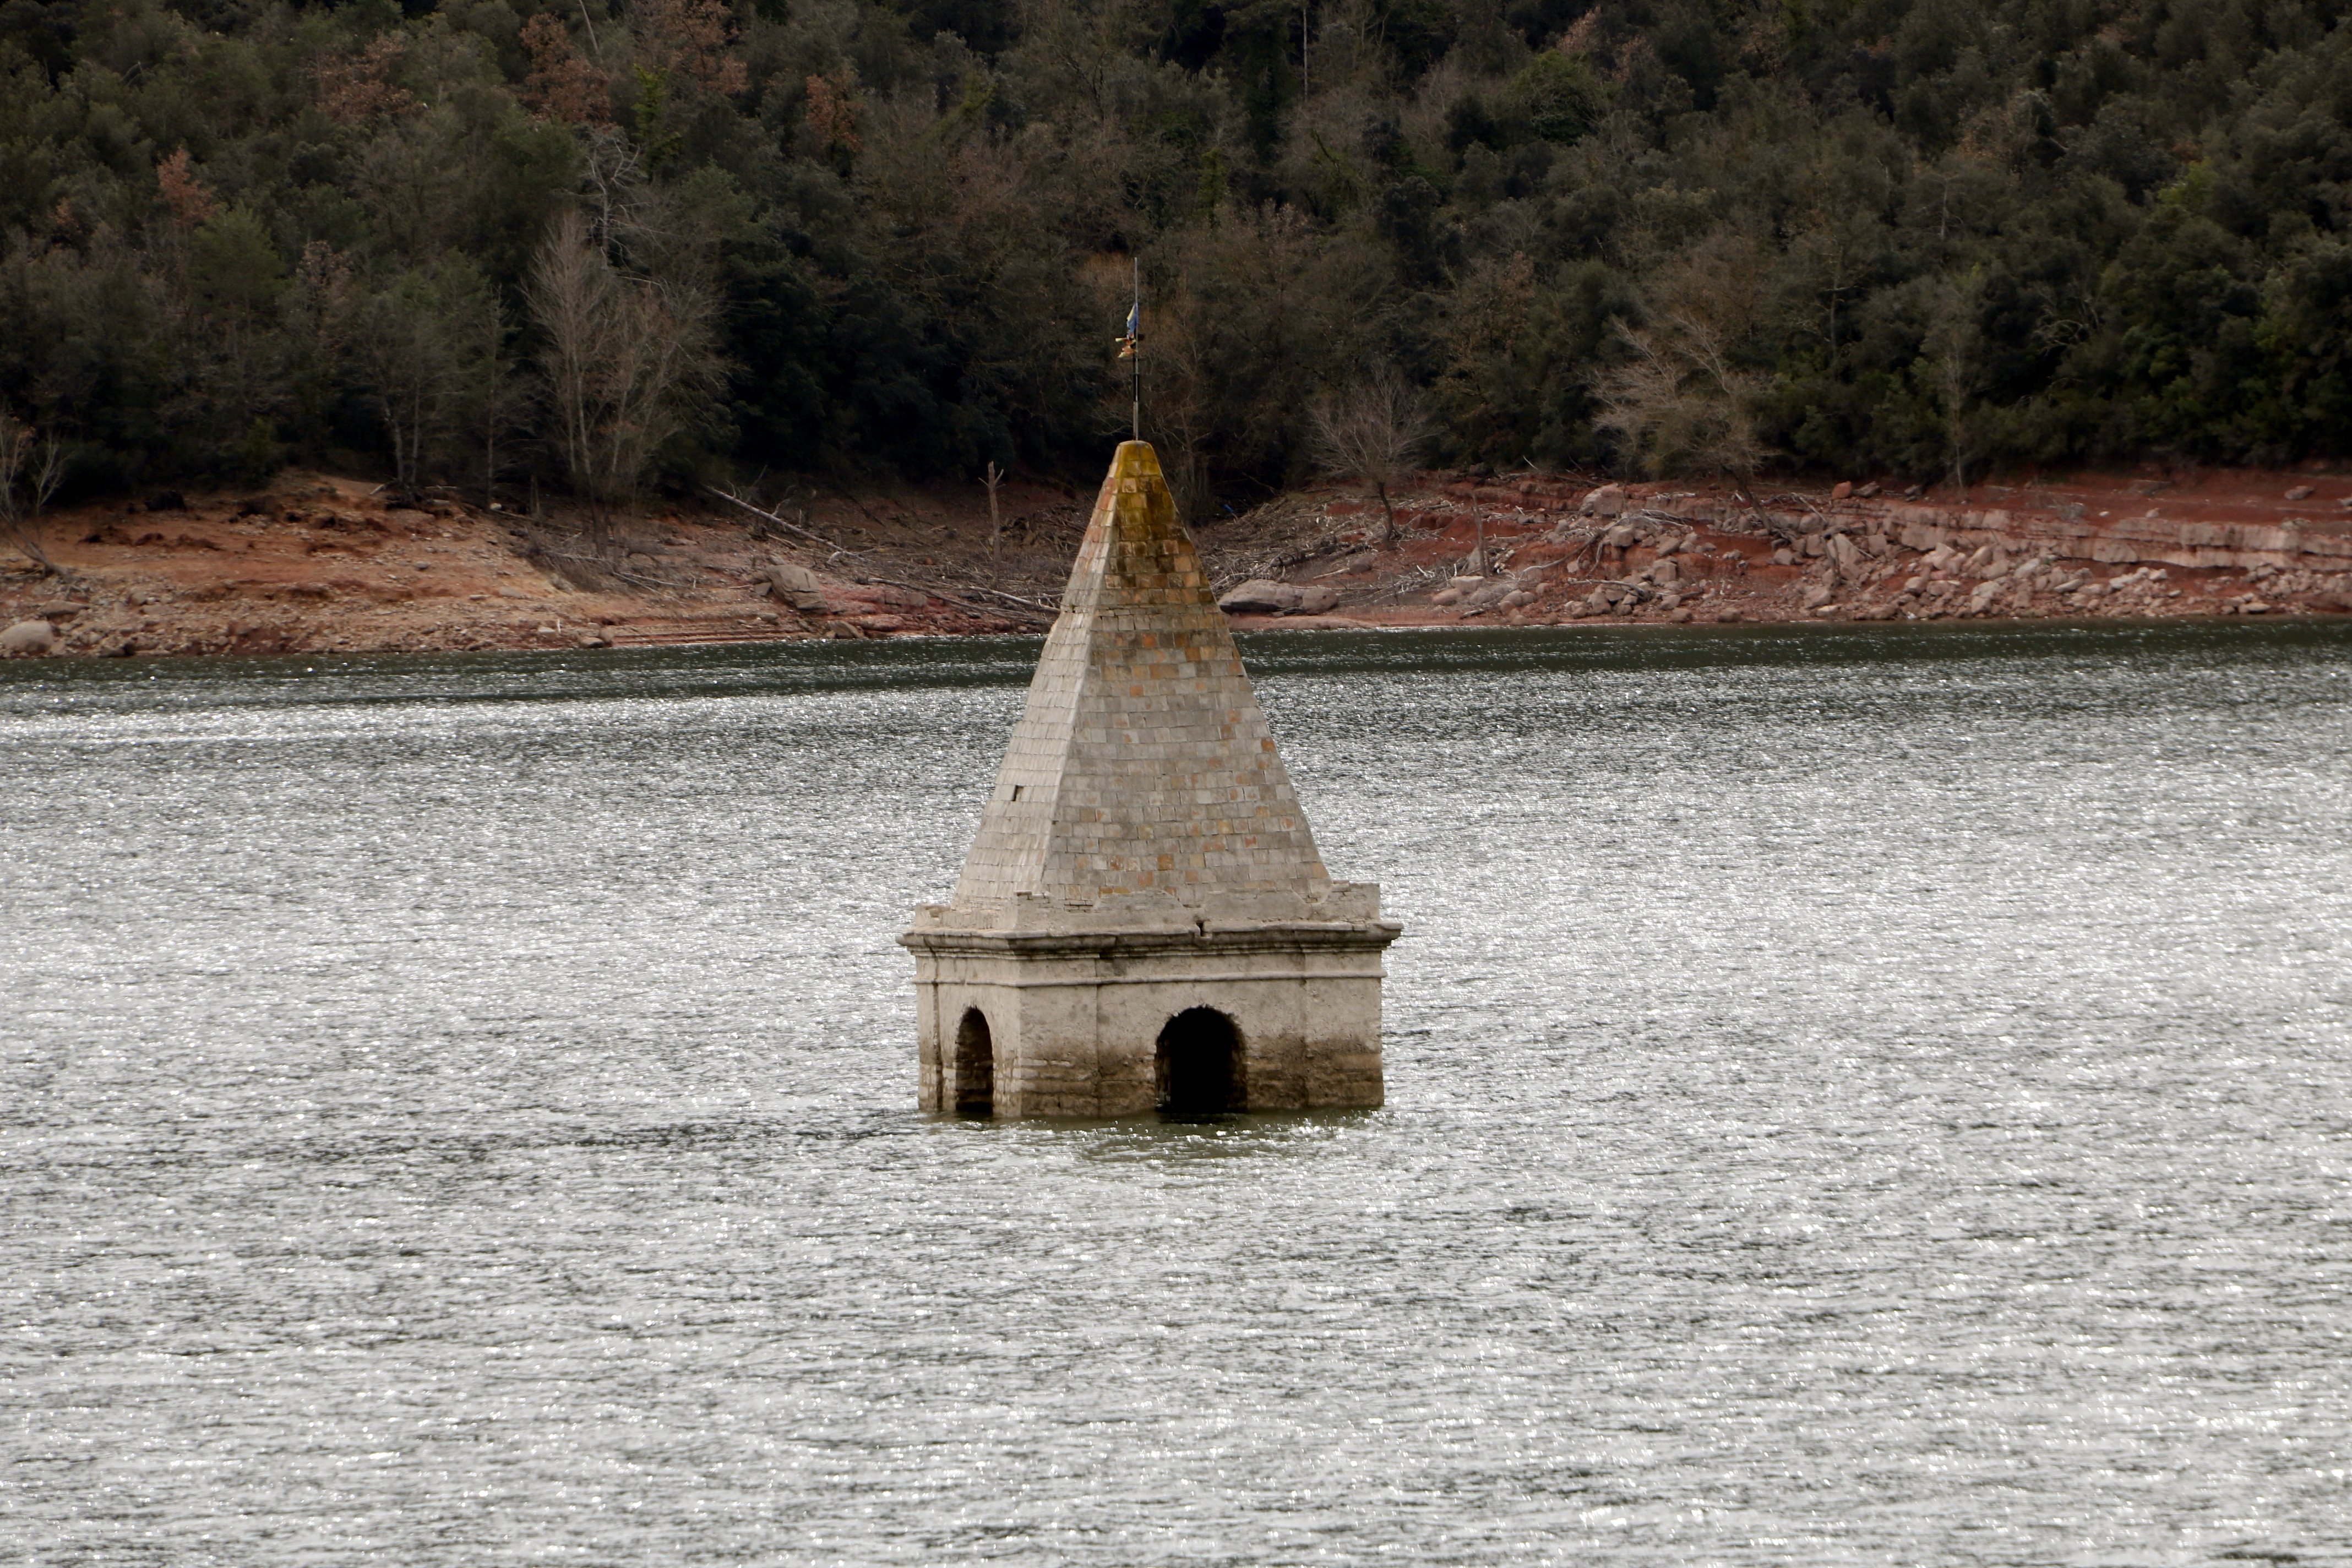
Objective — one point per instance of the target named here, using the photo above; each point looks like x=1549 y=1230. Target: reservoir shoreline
x=320 y=564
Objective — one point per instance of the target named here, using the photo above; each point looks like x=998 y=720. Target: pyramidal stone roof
x=1143 y=763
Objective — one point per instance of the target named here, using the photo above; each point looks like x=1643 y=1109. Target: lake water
x=1855 y=1096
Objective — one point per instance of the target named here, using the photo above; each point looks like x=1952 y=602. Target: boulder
x=1618 y=538
x=58 y=613
x=1984 y=595
x=797 y=586
x=1609 y=500
x=1841 y=490
x=1447 y=596
x=2300 y=492
x=27 y=639
x=1665 y=573
x=1318 y=601
x=1518 y=598
x=871 y=594
x=1817 y=595
x=1260 y=596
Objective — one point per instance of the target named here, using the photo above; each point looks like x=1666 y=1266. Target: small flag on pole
x=1134 y=339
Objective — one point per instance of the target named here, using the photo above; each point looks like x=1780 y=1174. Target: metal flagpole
x=1135 y=325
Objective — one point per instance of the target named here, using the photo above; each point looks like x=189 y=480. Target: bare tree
x=500 y=398
x=624 y=358
x=1182 y=415
x=612 y=168
x=1679 y=404
x=31 y=469
x=995 y=523
x=1371 y=433
x=1955 y=348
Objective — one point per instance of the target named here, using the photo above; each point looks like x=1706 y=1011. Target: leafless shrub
x=1370 y=433
x=32 y=466
x=1679 y=404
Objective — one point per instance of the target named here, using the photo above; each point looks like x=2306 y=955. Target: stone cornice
x=1207 y=938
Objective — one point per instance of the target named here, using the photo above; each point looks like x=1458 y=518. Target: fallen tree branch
x=763 y=513
x=1031 y=606
x=605 y=567
x=1039 y=605
x=1346 y=562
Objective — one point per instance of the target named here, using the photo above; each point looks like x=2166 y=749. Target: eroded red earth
x=323 y=564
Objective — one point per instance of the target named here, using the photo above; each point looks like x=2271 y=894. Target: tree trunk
x=1388 y=528
x=995 y=523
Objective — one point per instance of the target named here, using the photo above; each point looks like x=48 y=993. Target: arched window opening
x=975 y=1067
x=1200 y=1064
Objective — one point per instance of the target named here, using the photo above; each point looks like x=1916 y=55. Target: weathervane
x=1130 y=346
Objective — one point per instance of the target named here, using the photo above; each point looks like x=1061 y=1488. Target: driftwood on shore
x=1034 y=608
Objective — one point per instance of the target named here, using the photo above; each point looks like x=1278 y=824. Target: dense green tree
x=1918 y=236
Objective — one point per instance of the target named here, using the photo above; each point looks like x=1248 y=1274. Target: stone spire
x=1142 y=763
x=1143 y=920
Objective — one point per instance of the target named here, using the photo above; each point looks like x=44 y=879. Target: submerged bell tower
x=1143 y=921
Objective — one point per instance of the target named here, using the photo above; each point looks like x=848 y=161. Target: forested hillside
x=596 y=243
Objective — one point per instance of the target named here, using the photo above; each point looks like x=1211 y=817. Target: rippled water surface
x=1855 y=1097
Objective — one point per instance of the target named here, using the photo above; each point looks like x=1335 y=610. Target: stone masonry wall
x=1142 y=761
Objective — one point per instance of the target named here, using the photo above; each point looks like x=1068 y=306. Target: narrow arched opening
x=975 y=1066
x=1200 y=1064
